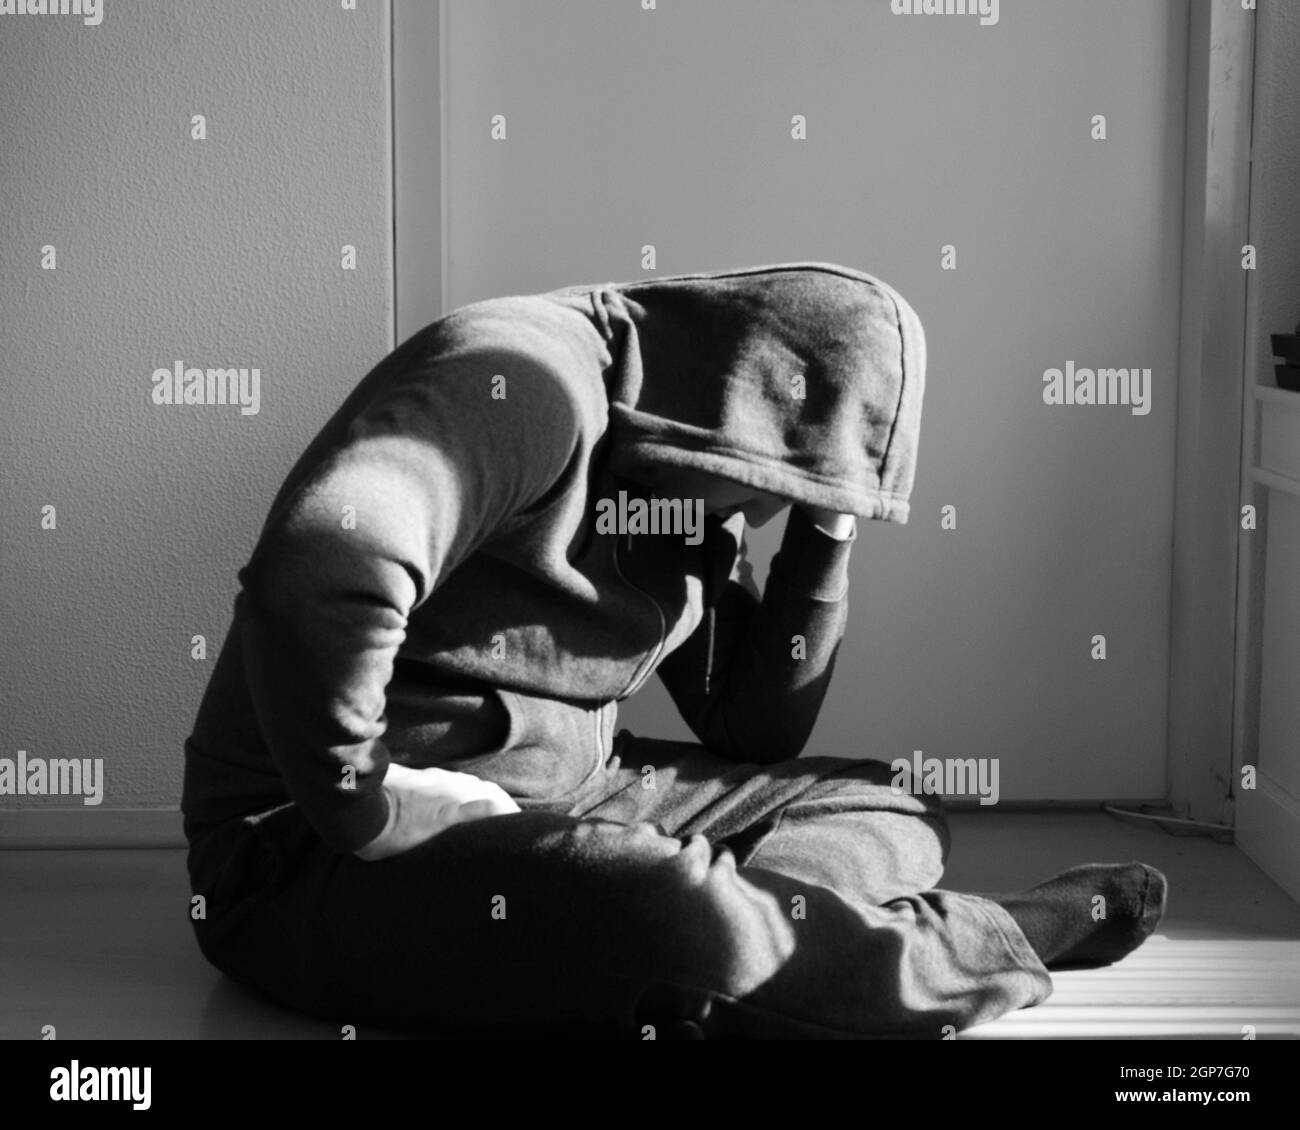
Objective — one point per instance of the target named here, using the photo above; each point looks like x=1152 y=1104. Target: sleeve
x=427 y=473
x=772 y=655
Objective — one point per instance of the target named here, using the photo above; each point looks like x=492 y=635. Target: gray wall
x=672 y=127
x=224 y=252
x=627 y=127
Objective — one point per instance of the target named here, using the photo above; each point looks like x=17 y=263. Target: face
x=723 y=497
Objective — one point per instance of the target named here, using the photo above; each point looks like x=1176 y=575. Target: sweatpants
x=675 y=895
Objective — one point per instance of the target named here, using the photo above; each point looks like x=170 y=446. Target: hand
x=839 y=526
x=424 y=802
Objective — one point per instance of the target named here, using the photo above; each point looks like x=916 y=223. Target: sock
x=1066 y=926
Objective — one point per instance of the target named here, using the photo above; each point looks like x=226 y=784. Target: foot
x=1090 y=915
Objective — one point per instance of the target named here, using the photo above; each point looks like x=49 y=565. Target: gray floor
x=97 y=943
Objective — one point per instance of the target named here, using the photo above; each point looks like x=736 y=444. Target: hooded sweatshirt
x=432 y=584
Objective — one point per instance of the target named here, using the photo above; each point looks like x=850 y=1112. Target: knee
x=721 y=932
x=879 y=784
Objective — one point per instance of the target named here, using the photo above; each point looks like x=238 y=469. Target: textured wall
x=223 y=252
x=672 y=127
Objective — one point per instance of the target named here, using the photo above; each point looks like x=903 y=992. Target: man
x=406 y=799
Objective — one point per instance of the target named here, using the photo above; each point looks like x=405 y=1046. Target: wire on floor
x=1198 y=825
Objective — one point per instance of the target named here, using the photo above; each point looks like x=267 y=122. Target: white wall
x=219 y=252
x=672 y=127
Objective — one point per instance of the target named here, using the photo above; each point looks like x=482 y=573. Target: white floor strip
x=1221 y=989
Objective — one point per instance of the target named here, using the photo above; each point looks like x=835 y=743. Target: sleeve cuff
x=812 y=562
x=357 y=823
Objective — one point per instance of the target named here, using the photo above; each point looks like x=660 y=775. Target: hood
x=804 y=380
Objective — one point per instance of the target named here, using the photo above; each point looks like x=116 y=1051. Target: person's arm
x=429 y=472
x=840 y=527
x=773 y=654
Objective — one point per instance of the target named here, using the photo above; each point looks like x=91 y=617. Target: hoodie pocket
x=551 y=748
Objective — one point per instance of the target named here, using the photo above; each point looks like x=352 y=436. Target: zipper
x=602 y=754
x=640 y=677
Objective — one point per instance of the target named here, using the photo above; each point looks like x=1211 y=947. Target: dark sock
x=1066 y=927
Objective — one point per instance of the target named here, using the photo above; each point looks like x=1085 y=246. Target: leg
x=839 y=828
x=598 y=922
x=840 y=823
x=835 y=821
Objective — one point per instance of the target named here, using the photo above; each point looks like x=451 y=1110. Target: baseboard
x=972 y=804
x=27 y=829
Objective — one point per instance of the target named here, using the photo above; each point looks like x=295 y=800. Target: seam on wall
x=444 y=228
x=392 y=173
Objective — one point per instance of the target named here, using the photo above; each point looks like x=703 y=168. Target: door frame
x=1206 y=693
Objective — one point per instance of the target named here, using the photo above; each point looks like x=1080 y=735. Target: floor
x=97 y=943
